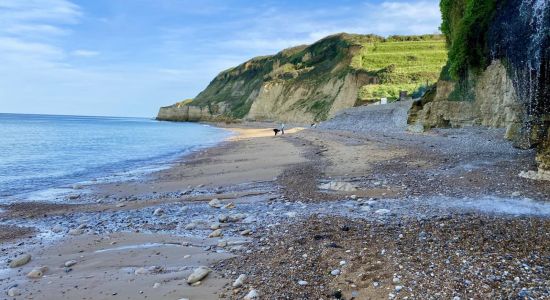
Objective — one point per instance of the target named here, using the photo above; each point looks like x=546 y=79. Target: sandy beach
x=316 y=213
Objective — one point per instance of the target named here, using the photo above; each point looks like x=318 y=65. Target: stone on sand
x=302 y=282
x=20 y=260
x=229 y=205
x=235 y=217
x=222 y=218
x=338 y=186
x=75 y=231
x=215 y=233
x=215 y=226
x=191 y=226
x=14 y=292
x=215 y=203
x=37 y=272
x=58 y=229
x=253 y=294
x=70 y=263
x=239 y=281
x=198 y=274
x=158 y=212
x=246 y=232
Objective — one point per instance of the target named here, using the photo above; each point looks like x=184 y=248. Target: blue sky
x=129 y=57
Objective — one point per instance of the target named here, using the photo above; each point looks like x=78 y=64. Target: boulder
x=20 y=260
x=198 y=274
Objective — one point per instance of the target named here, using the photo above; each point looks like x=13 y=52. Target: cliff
x=498 y=73
x=311 y=83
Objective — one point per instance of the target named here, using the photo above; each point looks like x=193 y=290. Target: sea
x=44 y=156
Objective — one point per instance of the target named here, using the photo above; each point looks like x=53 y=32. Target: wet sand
x=271 y=202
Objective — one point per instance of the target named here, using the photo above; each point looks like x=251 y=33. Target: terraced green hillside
x=401 y=64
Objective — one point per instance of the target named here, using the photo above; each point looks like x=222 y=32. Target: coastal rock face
x=493 y=103
x=498 y=73
x=311 y=83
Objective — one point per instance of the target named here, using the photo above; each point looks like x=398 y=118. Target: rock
x=75 y=232
x=239 y=281
x=382 y=211
x=222 y=244
x=246 y=232
x=253 y=294
x=74 y=197
x=291 y=214
x=57 y=229
x=338 y=186
x=342 y=262
x=516 y=194
x=302 y=282
x=20 y=260
x=215 y=203
x=229 y=205
x=353 y=197
x=215 y=233
x=335 y=272
x=37 y=272
x=222 y=218
x=156 y=285
x=215 y=226
x=190 y=226
x=120 y=205
x=235 y=217
x=70 y=263
x=398 y=288
x=198 y=274
x=186 y=256
x=141 y=271
x=158 y=212
x=14 y=292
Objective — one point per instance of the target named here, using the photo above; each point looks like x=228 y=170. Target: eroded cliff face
x=493 y=103
x=512 y=90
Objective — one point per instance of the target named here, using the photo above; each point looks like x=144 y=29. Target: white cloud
x=85 y=53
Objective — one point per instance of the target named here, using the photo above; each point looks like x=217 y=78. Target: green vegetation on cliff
x=465 y=24
x=401 y=64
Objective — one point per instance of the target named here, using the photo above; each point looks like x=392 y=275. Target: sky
x=129 y=57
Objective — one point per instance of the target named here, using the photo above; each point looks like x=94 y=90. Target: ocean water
x=41 y=153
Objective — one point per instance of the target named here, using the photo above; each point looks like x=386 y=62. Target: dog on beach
x=276 y=130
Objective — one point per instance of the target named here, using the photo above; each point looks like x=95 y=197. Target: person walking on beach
x=283 y=128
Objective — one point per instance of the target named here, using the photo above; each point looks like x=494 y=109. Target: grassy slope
x=401 y=65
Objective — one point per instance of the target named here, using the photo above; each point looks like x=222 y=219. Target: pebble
x=215 y=226
x=141 y=271
x=239 y=281
x=382 y=211
x=302 y=282
x=253 y=294
x=398 y=288
x=70 y=263
x=246 y=232
x=190 y=226
x=342 y=262
x=187 y=256
x=75 y=232
x=37 y=272
x=215 y=233
x=20 y=260
x=335 y=272
x=57 y=229
x=215 y=203
x=222 y=218
x=156 y=285
x=14 y=292
x=198 y=274
x=158 y=212
x=229 y=205
x=120 y=205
